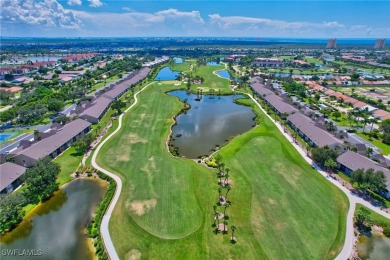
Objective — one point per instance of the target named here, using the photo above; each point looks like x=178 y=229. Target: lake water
x=57 y=227
x=178 y=60
x=5 y=136
x=166 y=74
x=223 y=74
x=213 y=63
x=209 y=122
x=374 y=247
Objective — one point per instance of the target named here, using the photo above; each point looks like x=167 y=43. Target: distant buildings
x=332 y=44
x=268 y=62
x=380 y=44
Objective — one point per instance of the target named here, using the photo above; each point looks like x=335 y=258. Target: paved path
x=349 y=242
x=105 y=233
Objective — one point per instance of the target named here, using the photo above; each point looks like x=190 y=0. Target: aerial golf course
x=281 y=207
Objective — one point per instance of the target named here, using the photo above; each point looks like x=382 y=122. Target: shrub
x=386 y=231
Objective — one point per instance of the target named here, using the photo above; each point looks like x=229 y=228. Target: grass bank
x=282 y=208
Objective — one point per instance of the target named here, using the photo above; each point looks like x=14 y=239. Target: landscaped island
x=282 y=208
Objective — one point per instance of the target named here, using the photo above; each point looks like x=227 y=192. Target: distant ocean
x=249 y=40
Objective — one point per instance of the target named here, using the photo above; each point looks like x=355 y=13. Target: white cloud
x=74 y=2
x=162 y=23
x=47 y=13
x=95 y=3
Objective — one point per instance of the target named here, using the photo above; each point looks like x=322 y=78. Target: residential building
x=96 y=111
x=279 y=105
x=53 y=145
x=10 y=176
x=267 y=62
x=312 y=134
x=380 y=44
x=351 y=161
x=332 y=44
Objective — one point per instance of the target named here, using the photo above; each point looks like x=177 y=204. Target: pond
x=57 y=227
x=213 y=63
x=167 y=74
x=5 y=136
x=209 y=122
x=178 y=60
x=225 y=74
x=375 y=247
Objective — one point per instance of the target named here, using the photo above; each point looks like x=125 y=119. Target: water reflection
x=374 y=247
x=57 y=227
x=209 y=122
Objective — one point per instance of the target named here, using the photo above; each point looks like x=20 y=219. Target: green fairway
x=211 y=81
x=282 y=208
x=68 y=161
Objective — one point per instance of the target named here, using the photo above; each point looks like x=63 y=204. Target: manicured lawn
x=378 y=143
x=211 y=81
x=282 y=208
x=68 y=161
x=375 y=217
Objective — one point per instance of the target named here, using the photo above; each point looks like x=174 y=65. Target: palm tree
x=228 y=188
x=226 y=179
x=216 y=217
x=233 y=229
x=219 y=191
x=227 y=205
x=36 y=135
x=373 y=121
x=225 y=223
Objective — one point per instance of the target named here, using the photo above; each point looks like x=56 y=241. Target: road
x=349 y=242
x=104 y=231
x=4 y=149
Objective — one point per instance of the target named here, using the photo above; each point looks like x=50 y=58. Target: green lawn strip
x=166 y=203
x=376 y=218
x=290 y=200
x=211 y=81
x=378 y=143
x=69 y=160
x=184 y=191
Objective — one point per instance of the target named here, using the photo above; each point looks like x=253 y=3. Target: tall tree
x=11 y=210
x=41 y=180
x=118 y=105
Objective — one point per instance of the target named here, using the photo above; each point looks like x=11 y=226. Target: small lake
x=374 y=247
x=167 y=74
x=213 y=63
x=226 y=75
x=57 y=227
x=223 y=74
x=178 y=60
x=209 y=122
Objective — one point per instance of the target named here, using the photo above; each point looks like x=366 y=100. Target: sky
x=146 y=18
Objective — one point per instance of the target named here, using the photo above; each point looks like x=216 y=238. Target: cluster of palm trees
x=223 y=203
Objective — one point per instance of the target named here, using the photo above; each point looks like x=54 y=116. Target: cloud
x=245 y=26
x=48 y=13
x=74 y=2
x=162 y=23
x=95 y=3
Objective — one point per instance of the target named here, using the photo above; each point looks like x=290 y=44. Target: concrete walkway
x=349 y=242
x=104 y=230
